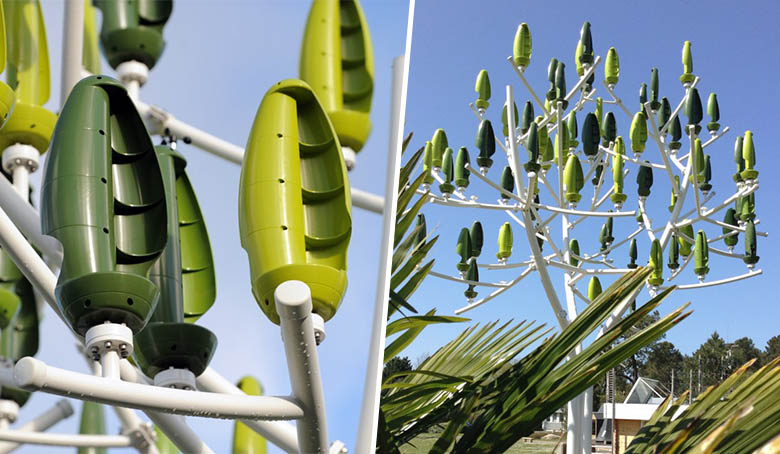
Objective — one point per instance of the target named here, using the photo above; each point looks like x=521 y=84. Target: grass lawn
x=424 y=443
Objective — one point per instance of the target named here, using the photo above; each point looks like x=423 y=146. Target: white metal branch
x=495 y=293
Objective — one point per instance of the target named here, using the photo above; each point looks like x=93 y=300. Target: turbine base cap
x=161 y=346
x=327 y=285
x=28 y=124
x=117 y=297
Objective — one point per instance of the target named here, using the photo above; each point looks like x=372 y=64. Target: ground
x=423 y=444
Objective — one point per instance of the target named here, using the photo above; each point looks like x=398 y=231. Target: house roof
x=646 y=391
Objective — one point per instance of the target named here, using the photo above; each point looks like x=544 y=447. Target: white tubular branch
x=33 y=374
x=484 y=300
x=466 y=281
x=293 y=303
x=27 y=220
x=28 y=261
x=280 y=433
x=76 y=441
x=527 y=86
x=61 y=410
x=159 y=121
x=173 y=426
x=727 y=280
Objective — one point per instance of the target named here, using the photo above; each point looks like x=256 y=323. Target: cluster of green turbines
x=599 y=132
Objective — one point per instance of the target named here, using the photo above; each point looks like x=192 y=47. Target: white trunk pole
x=72 y=46
x=369 y=410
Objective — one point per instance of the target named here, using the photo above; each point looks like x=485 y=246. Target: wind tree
x=569 y=162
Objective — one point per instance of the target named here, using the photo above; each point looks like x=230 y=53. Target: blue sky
x=220 y=59
x=733 y=52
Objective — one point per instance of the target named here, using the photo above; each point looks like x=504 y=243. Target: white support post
x=369 y=410
x=72 y=47
x=293 y=303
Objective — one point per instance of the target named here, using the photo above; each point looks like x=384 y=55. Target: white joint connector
x=318 y=323
x=109 y=337
x=350 y=157
x=132 y=71
x=9 y=410
x=176 y=379
x=338 y=447
x=20 y=155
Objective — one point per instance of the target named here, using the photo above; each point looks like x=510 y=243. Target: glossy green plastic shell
x=573 y=128
x=574 y=247
x=612 y=67
x=751 y=253
x=246 y=440
x=93 y=422
x=687 y=61
x=337 y=61
x=638 y=132
x=28 y=75
x=693 y=109
x=462 y=174
x=477 y=238
x=463 y=249
x=532 y=145
x=674 y=253
x=608 y=129
x=505 y=119
x=591 y=135
x=505 y=241
x=439 y=144
x=730 y=218
x=447 y=172
x=594 y=288
x=664 y=113
x=655 y=104
x=656 y=262
x=644 y=180
x=521 y=49
x=133 y=30
x=507 y=182
x=617 y=172
x=749 y=157
x=90 y=56
x=103 y=199
x=573 y=179
x=632 y=254
x=714 y=112
x=185 y=276
x=482 y=87
x=486 y=143
x=527 y=117
x=685 y=244
x=701 y=254
x=295 y=210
